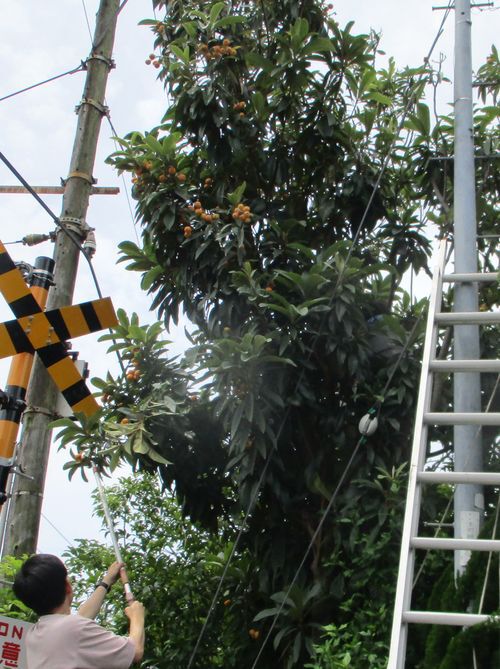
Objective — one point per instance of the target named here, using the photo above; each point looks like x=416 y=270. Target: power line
x=67 y=232
x=353 y=243
x=87 y=19
x=125 y=186
x=81 y=68
x=108 y=117
x=361 y=441
x=68 y=541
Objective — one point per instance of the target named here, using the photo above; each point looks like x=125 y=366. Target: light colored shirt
x=59 y=641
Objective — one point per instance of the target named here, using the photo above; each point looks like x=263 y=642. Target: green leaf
x=235 y=197
x=255 y=59
x=299 y=32
x=266 y=613
x=156 y=457
x=229 y=21
x=180 y=54
x=318 y=45
x=191 y=28
x=237 y=416
x=380 y=98
x=153 y=143
x=259 y=103
x=215 y=12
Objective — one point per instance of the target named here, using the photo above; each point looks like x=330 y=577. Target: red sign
x=12 y=643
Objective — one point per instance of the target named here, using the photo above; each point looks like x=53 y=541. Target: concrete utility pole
x=469 y=498
x=24 y=513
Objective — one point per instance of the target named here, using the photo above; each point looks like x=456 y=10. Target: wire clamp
x=43 y=275
x=79 y=175
x=78 y=225
x=102 y=109
x=41 y=410
x=97 y=56
x=33 y=493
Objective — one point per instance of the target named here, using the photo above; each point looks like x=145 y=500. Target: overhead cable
x=65 y=230
x=80 y=68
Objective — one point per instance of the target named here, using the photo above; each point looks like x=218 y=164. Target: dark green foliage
x=174 y=568
x=10 y=606
x=452 y=647
x=262 y=224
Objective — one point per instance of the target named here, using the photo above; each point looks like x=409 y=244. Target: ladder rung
x=481 y=478
x=467 y=317
x=437 y=618
x=433 y=543
x=465 y=366
x=457 y=418
x=473 y=277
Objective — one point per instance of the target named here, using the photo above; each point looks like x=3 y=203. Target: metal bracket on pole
x=32 y=493
x=19 y=472
x=479 y=4
x=97 y=56
x=78 y=225
x=40 y=410
x=102 y=109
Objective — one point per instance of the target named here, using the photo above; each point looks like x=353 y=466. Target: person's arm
x=92 y=606
x=135 y=613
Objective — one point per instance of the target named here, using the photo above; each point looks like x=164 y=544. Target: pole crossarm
x=57 y=190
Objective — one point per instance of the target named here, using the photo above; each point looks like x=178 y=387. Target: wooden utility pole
x=25 y=508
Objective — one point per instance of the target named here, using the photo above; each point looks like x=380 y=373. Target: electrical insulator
x=89 y=245
x=368 y=425
x=32 y=240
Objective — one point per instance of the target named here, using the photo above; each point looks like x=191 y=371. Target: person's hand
x=135 y=612
x=113 y=573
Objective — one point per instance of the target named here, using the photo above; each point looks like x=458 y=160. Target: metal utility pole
x=469 y=498
x=25 y=509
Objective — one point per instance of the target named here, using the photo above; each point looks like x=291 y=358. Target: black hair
x=41 y=583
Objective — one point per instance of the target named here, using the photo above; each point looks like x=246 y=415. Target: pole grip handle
x=126 y=585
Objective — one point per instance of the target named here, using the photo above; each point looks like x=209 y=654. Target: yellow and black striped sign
x=31 y=333
x=45 y=332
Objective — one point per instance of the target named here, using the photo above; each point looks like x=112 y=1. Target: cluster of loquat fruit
x=153 y=60
x=135 y=373
x=240 y=107
x=217 y=50
x=200 y=212
x=141 y=172
x=243 y=213
x=144 y=171
x=254 y=634
x=171 y=174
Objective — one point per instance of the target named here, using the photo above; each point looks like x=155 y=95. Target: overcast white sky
x=41 y=39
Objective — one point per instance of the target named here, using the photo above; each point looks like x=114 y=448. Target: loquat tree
x=282 y=198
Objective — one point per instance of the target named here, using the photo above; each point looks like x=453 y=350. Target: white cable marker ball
x=368 y=425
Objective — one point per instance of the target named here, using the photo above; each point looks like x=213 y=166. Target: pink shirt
x=59 y=641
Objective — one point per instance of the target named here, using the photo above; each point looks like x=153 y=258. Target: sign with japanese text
x=12 y=643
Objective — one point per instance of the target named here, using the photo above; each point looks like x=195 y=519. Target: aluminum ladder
x=410 y=542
